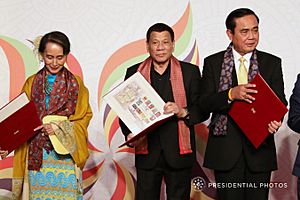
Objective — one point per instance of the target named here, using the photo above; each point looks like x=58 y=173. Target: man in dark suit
x=294 y=124
x=168 y=151
x=232 y=157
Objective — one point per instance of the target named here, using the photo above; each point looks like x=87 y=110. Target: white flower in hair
x=36 y=44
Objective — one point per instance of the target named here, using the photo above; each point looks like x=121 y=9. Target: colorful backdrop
x=106 y=38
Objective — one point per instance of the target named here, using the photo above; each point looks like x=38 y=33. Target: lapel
x=260 y=63
x=264 y=66
x=234 y=77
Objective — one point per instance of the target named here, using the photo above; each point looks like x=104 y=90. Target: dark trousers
x=178 y=182
x=240 y=183
x=298 y=188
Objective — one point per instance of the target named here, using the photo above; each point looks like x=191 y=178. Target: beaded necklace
x=47 y=87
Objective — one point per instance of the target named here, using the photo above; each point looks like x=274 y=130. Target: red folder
x=18 y=119
x=146 y=131
x=253 y=118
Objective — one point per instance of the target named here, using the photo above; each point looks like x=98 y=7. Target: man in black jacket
x=169 y=150
x=294 y=124
x=232 y=157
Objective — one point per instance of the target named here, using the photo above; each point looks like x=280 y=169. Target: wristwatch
x=187 y=113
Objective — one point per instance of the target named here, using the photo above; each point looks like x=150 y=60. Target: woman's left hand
x=3 y=153
x=46 y=129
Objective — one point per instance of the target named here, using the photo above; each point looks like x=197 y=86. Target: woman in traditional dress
x=39 y=172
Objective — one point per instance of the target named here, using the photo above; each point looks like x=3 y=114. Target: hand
x=46 y=129
x=3 y=154
x=273 y=126
x=243 y=92
x=132 y=144
x=171 y=107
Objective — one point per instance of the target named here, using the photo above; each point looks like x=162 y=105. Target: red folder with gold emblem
x=18 y=119
x=253 y=118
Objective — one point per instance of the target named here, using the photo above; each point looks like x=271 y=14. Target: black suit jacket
x=222 y=152
x=167 y=140
x=294 y=120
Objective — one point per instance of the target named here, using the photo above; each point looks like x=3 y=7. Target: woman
x=39 y=172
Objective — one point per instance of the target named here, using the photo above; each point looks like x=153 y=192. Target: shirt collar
x=236 y=55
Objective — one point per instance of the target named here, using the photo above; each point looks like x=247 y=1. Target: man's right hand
x=243 y=92
x=135 y=142
x=132 y=144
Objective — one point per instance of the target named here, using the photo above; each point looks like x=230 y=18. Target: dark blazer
x=222 y=152
x=167 y=139
x=294 y=120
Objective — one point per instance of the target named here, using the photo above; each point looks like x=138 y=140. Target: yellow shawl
x=80 y=118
